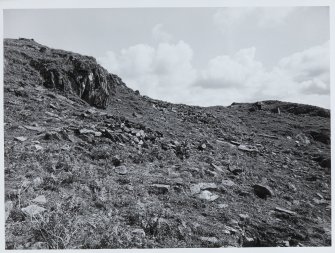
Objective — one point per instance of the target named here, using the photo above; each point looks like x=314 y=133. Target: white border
x=52 y=4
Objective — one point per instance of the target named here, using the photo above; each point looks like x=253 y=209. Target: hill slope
x=90 y=163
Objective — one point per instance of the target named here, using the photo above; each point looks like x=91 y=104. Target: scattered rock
x=52 y=114
x=37 y=182
x=139 y=232
x=303 y=139
x=209 y=240
x=279 y=209
x=116 y=161
x=8 y=208
x=40 y=200
x=216 y=167
x=207 y=195
x=35 y=128
x=197 y=188
x=86 y=131
x=223 y=206
x=202 y=146
x=122 y=170
x=159 y=188
x=38 y=147
x=228 y=183
x=39 y=245
x=262 y=191
x=246 y=148
x=21 y=138
x=52 y=136
x=244 y=217
x=33 y=210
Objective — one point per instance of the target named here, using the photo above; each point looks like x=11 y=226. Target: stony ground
x=134 y=172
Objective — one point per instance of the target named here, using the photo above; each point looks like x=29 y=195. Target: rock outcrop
x=64 y=71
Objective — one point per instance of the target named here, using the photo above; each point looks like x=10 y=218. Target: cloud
x=231 y=71
x=263 y=17
x=309 y=68
x=162 y=72
x=160 y=35
x=301 y=77
x=165 y=71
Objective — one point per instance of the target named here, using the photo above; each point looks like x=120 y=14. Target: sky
x=196 y=56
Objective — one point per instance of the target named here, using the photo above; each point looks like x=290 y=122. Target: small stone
x=248 y=242
x=37 y=182
x=8 y=208
x=40 y=200
x=202 y=146
x=248 y=148
x=279 y=209
x=207 y=195
x=33 y=210
x=25 y=184
x=228 y=182
x=21 y=138
x=122 y=170
x=52 y=136
x=244 y=217
x=286 y=243
x=216 y=167
x=292 y=187
x=86 y=131
x=140 y=142
x=211 y=240
x=40 y=245
x=97 y=134
x=159 y=188
x=230 y=229
x=38 y=147
x=202 y=186
x=116 y=160
x=52 y=114
x=262 y=191
x=223 y=206
x=35 y=128
x=140 y=232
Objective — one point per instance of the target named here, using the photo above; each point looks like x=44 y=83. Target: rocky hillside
x=90 y=163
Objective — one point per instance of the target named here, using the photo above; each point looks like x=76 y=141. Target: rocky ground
x=90 y=163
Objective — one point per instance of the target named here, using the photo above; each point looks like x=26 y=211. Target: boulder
x=207 y=195
x=33 y=210
x=262 y=191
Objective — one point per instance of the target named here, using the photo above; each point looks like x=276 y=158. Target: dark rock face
x=65 y=71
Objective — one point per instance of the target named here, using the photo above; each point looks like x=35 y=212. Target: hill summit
x=90 y=163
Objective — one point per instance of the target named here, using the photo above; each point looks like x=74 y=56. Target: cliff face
x=90 y=163
x=57 y=69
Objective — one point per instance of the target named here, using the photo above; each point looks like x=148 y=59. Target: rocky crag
x=90 y=163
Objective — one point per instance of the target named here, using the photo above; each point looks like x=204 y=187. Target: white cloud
x=165 y=71
x=162 y=72
x=301 y=77
x=160 y=35
x=263 y=17
x=309 y=68
x=231 y=71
